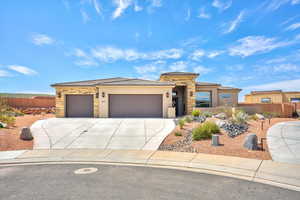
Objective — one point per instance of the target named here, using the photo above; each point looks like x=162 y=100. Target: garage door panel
x=79 y=106
x=135 y=105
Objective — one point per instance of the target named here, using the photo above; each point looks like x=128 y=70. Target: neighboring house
x=272 y=96
x=129 y=97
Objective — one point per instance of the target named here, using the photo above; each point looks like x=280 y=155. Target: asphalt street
x=127 y=182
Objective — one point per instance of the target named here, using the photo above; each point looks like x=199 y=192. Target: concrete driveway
x=284 y=142
x=101 y=133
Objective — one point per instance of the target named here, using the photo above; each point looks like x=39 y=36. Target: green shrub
x=196 y=113
x=227 y=111
x=178 y=133
x=188 y=119
x=207 y=114
x=205 y=131
x=253 y=117
x=240 y=117
x=181 y=123
x=9 y=120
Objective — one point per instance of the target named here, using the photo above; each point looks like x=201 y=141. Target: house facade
x=174 y=94
x=272 y=96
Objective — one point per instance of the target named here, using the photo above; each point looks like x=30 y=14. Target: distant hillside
x=22 y=95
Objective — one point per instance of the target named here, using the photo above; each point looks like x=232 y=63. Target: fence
x=35 y=102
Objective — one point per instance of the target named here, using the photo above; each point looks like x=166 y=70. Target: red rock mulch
x=10 y=137
x=229 y=146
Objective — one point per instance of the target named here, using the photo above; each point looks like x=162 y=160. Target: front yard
x=228 y=146
x=10 y=137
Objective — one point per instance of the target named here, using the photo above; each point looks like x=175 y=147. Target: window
x=295 y=100
x=203 y=99
x=265 y=100
x=225 y=96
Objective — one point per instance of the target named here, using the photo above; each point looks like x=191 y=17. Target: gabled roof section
x=267 y=92
x=179 y=73
x=115 y=82
x=228 y=88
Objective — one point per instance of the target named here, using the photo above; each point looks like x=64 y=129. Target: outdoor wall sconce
x=59 y=94
x=97 y=95
x=167 y=94
x=103 y=94
x=191 y=93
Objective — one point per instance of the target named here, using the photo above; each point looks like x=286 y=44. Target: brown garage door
x=135 y=105
x=79 y=106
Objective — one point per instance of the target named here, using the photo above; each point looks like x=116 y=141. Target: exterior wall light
x=103 y=94
x=97 y=95
x=191 y=93
x=167 y=94
x=59 y=94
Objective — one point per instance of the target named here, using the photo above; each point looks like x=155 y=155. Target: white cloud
x=213 y=54
x=250 y=45
x=222 y=5
x=87 y=62
x=146 y=68
x=294 y=2
x=202 y=70
x=178 y=66
x=231 y=26
x=293 y=27
x=197 y=54
x=137 y=8
x=42 y=39
x=203 y=14
x=272 y=5
x=286 y=67
x=280 y=85
x=122 y=5
x=111 y=54
x=79 y=53
x=97 y=7
x=22 y=69
x=235 y=67
x=85 y=16
x=4 y=73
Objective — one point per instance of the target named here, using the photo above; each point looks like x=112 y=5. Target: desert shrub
x=205 y=131
x=240 y=117
x=181 y=123
x=207 y=114
x=188 y=119
x=9 y=120
x=178 y=133
x=227 y=111
x=196 y=113
x=253 y=117
x=270 y=115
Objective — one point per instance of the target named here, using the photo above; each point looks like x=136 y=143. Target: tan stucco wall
x=233 y=101
x=287 y=96
x=189 y=82
x=61 y=102
x=256 y=98
x=104 y=104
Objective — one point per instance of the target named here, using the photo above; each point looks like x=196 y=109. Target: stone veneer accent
x=60 y=102
x=190 y=83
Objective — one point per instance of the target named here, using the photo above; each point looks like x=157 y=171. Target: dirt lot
x=10 y=137
x=229 y=146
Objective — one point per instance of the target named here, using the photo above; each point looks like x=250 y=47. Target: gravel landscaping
x=230 y=146
x=10 y=137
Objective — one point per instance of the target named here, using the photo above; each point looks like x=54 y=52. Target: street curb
x=45 y=161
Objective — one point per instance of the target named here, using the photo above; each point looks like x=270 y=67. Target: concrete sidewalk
x=264 y=171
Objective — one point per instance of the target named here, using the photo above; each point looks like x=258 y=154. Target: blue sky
x=253 y=45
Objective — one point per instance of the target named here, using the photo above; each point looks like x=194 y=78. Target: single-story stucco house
x=273 y=96
x=175 y=93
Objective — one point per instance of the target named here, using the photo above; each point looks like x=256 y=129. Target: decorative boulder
x=221 y=116
x=26 y=134
x=220 y=123
x=260 y=116
x=250 y=142
x=3 y=125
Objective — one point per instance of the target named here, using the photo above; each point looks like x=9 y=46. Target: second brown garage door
x=135 y=105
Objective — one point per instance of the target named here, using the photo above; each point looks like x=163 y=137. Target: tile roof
x=180 y=73
x=114 y=81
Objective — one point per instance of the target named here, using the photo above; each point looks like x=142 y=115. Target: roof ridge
x=86 y=80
